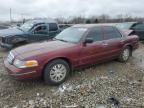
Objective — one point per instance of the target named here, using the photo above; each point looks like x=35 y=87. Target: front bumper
x=21 y=74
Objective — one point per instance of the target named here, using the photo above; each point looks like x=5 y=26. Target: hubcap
x=126 y=54
x=58 y=72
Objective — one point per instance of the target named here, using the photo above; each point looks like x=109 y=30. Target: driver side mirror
x=88 y=40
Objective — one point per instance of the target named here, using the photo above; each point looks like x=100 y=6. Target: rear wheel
x=56 y=72
x=125 y=54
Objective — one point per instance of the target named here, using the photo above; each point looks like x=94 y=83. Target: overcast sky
x=66 y=8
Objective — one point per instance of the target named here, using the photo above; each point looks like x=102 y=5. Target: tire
x=125 y=54
x=53 y=74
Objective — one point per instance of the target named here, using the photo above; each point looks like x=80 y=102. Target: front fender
x=16 y=39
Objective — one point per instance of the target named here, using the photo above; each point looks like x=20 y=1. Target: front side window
x=111 y=33
x=42 y=29
x=72 y=34
x=95 y=34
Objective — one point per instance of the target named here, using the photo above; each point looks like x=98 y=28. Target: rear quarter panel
x=132 y=40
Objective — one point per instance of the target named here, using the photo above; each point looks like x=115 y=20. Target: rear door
x=53 y=30
x=112 y=41
x=93 y=52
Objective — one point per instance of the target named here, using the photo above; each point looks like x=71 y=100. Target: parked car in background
x=64 y=26
x=74 y=47
x=137 y=27
x=31 y=31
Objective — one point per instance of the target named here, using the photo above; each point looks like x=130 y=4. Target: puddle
x=113 y=101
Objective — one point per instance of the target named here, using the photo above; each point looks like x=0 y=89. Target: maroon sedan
x=74 y=47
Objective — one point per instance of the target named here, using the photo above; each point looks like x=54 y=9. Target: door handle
x=105 y=44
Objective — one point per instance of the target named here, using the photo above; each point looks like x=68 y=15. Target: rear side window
x=111 y=33
x=53 y=27
x=95 y=34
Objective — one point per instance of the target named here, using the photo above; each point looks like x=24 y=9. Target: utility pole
x=10 y=15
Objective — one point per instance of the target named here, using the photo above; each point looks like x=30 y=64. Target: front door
x=40 y=33
x=93 y=52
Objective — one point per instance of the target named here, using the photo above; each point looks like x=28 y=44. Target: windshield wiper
x=61 y=40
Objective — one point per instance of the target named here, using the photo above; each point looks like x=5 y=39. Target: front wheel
x=56 y=72
x=125 y=54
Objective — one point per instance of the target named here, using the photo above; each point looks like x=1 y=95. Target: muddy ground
x=108 y=85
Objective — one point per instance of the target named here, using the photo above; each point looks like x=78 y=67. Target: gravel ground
x=107 y=85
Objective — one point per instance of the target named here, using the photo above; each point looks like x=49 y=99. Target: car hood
x=10 y=32
x=35 y=49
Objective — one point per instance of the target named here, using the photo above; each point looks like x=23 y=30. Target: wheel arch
x=62 y=58
x=131 y=48
x=17 y=39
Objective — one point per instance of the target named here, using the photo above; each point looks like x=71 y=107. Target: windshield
x=27 y=26
x=124 y=25
x=72 y=34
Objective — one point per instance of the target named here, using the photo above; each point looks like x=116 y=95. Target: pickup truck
x=31 y=31
x=74 y=47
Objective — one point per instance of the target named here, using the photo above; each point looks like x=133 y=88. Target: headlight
x=25 y=64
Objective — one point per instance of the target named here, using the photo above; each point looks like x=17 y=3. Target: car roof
x=93 y=25
x=42 y=21
x=102 y=24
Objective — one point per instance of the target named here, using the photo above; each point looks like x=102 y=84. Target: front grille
x=2 y=39
x=10 y=58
